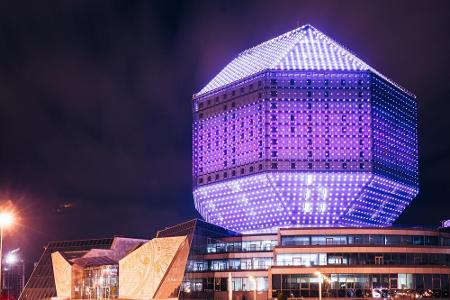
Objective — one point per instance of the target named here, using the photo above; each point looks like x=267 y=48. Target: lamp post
x=6 y=219
x=230 y=287
x=321 y=277
x=253 y=279
x=12 y=259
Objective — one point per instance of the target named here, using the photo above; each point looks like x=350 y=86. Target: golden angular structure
x=154 y=270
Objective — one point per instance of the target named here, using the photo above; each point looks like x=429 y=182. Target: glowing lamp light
x=6 y=219
x=11 y=258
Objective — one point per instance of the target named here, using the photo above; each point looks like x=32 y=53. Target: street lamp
x=321 y=278
x=253 y=279
x=6 y=219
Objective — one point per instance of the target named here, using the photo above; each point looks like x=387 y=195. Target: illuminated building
x=298 y=131
x=304 y=156
x=194 y=260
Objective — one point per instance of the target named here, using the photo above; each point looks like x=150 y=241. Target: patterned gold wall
x=145 y=270
x=62 y=270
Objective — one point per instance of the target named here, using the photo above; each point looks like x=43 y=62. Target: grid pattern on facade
x=304 y=48
x=308 y=143
x=41 y=284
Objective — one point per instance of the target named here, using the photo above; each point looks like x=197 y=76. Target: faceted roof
x=304 y=48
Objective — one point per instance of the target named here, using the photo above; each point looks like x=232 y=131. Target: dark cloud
x=95 y=101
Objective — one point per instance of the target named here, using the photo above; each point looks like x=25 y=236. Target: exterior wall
x=394 y=115
x=41 y=284
x=297 y=131
x=274 y=150
x=142 y=271
x=170 y=284
x=378 y=265
x=62 y=271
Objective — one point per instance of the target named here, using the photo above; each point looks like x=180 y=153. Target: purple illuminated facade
x=297 y=132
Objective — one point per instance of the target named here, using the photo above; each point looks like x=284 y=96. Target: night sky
x=95 y=114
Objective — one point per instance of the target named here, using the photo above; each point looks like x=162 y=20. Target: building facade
x=303 y=157
x=198 y=260
x=298 y=131
x=352 y=263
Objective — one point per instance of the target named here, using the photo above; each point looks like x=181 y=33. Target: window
x=308 y=81
x=337 y=259
x=273 y=93
x=274 y=166
x=273 y=82
x=379 y=260
x=292 y=165
x=292 y=82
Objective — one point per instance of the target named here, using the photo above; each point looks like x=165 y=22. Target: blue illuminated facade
x=299 y=132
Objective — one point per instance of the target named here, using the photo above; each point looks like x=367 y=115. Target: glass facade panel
x=297 y=259
x=363 y=285
x=301 y=259
x=99 y=283
x=295 y=241
x=363 y=239
x=328 y=240
x=253 y=246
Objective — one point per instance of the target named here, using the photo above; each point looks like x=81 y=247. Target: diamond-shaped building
x=298 y=131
